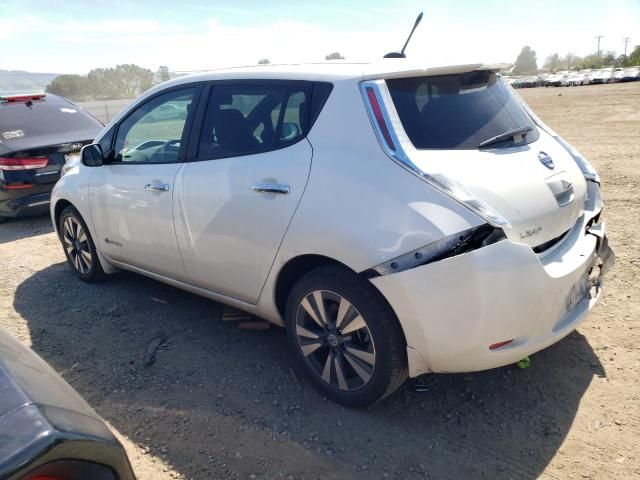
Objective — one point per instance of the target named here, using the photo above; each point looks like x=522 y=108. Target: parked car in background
x=38 y=134
x=603 y=75
x=586 y=75
x=554 y=80
x=47 y=431
x=628 y=75
x=574 y=80
x=168 y=112
x=384 y=256
x=525 y=82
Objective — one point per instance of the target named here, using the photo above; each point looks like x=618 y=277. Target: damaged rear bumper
x=453 y=310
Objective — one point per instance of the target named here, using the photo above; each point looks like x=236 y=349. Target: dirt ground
x=222 y=403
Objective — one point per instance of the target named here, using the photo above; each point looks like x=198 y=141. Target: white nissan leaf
x=396 y=220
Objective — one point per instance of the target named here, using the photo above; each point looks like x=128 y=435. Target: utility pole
x=626 y=41
x=598 y=38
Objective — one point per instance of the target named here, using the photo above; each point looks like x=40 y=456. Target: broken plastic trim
x=447 y=247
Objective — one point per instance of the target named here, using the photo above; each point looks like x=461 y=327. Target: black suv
x=38 y=134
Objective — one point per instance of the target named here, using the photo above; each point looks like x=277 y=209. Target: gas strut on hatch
x=401 y=54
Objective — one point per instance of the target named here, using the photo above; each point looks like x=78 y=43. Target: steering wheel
x=170 y=147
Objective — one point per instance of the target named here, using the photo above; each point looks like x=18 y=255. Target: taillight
x=31 y=163
x=500 y=344
x=380 y=120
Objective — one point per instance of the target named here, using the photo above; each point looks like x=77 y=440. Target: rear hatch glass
x=460 y=111
x=44 y=122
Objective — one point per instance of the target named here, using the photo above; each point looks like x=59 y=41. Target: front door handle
x=157 y=187
x=271 y=188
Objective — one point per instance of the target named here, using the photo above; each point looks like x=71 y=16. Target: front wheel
x=79 y=247
x=346 y=337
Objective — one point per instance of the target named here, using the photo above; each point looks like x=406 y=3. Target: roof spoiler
x=436 y=71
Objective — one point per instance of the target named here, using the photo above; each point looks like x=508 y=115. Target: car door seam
x=284 y=235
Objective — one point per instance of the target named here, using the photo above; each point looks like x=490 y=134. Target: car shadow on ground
x=17 y=228
x=220 y=402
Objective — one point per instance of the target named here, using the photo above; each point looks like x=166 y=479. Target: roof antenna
x=401 y=54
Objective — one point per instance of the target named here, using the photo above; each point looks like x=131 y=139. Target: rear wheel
x=79 y=247
x=345 y=336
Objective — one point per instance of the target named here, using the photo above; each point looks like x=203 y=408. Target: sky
x=70 y=36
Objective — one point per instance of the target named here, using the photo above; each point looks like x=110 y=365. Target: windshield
x=459 y=111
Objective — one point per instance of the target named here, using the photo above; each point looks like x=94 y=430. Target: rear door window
x=458 y=111
x=244 y=119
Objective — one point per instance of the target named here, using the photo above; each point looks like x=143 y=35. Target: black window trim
x=308 y=86
x=186 y=134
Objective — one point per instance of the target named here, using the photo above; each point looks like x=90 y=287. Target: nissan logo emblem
x=546 y=160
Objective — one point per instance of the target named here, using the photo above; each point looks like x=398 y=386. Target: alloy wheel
x=76 y=244
x=335 y=340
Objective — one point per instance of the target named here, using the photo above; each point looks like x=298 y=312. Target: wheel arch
x=293 y=270
x=57 y=212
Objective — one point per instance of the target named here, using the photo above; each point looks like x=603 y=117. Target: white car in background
x=574 y=80
x=628 y=75
x=554 y=80
x=603 y=75
x=396 y=219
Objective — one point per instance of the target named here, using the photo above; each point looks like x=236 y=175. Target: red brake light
x=500 y=344
x=22 y=97
x=377 y=112
x=31 y=163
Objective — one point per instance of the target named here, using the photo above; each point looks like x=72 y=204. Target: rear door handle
x=271 y=188
x=157 y=187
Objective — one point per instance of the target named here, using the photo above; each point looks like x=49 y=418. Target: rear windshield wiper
x=520 y=131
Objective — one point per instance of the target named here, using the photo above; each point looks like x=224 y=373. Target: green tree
x=553 y=62
x=570 y=61
x=334 y=56
x=526 y=63
x=264 y=61
x=608 y=59
x=103 y=83
x=589 y=61
x=133 y=80
x=634 y=57
x=73 y=87
x=163 y=73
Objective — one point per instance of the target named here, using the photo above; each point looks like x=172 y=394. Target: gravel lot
x=220 y=402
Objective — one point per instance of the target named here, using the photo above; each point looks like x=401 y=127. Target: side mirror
x=290 y=131
x=91 y=155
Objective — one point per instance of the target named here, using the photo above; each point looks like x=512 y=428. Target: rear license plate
x=578 y=292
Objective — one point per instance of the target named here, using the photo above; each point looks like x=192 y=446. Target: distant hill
x=18 y=81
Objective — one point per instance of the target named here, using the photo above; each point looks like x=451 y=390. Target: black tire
x=88 y=271
x=382 y=337
x=3 y=219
